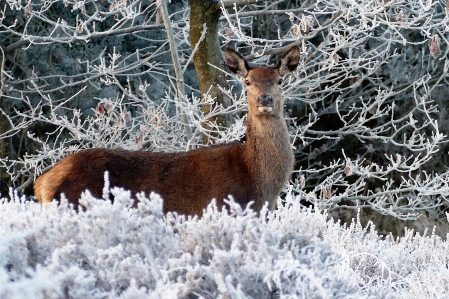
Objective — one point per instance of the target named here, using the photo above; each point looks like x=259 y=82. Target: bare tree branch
x=176 y=65
x=231 y=3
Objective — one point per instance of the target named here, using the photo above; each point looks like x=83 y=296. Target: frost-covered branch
x=364 y=94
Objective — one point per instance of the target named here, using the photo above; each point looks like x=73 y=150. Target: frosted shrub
x=253 y=257
x=86 y=254
x=113 y=251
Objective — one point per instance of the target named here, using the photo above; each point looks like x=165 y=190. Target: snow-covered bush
x=114 y=251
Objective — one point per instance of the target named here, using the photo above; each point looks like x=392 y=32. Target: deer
x=253 y=171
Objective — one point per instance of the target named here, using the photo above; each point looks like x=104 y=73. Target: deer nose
x=265 y=100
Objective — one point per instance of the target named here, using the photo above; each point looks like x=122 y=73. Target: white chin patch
x=265 y=109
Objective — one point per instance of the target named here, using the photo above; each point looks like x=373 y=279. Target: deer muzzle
x=265 y=103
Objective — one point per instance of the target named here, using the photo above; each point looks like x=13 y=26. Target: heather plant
x=111 y=250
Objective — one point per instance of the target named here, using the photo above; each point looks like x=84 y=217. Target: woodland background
x=366 y=108
x=368 y=116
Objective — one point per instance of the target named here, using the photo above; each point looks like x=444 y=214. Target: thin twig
x=176 y=64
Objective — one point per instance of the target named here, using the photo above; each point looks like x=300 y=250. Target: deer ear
x=236 y=63
x=289 y=61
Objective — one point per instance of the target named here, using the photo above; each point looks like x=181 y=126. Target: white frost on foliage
x=114 y=251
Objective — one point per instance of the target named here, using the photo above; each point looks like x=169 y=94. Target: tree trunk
x=208 y=12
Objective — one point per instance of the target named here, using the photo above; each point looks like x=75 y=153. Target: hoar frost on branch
x=366 y=121
x=136 y=106
x=374 y=68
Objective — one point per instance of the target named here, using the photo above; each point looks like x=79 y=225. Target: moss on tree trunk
x=208 y=12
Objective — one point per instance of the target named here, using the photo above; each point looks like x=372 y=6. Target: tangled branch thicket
x=365 y=108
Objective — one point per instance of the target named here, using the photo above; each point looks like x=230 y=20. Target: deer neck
x=269 y=156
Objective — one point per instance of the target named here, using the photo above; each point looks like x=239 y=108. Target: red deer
x=256 y=170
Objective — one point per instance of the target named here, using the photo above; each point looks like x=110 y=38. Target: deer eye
x=280 y=81
x=247 y=83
